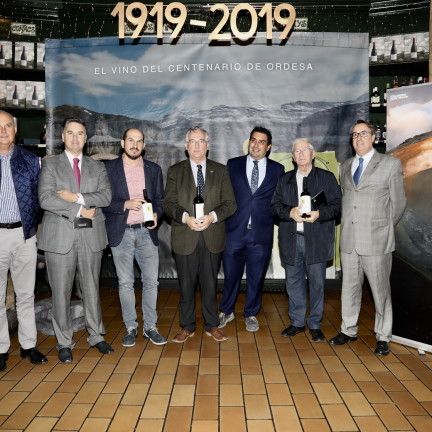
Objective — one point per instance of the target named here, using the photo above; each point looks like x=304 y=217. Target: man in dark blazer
x=373 y=202
x=129 y=238
x=197 y=243
x=72 y=190
x=250 y=229
x=306 y=239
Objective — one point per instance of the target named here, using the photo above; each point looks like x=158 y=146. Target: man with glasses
x=197 y=242
x=373 y=202
x=250 y=229
x=306 y=240
x=72 y=189
x=129 y=238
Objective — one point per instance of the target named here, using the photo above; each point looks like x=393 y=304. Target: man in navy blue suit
x=250 y=229
x=129 y=239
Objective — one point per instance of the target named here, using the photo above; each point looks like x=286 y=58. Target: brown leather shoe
x=182 y=335
x=217 y=334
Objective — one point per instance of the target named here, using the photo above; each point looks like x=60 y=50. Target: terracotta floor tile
x=279 y=394
x=273 y=373
x=308 y=356
x=178 y=419
x=135 y=394
x=391 y=417
x=260 y=426
x=421 y=423
x=143 y=374
x=117 y=383
x=73 y=417
x=209 y=348
x=22 y=416
x=339 y=418
x=373 y=392
x=125 y=418
x=332 y=363
x=208 y=366
x=43 y=391
x=95 y=424
x=29 y=382
x=231 y=395
x=229 y=358
x=357 y=404
x=206 y=408
x=89 y=392
x=182 y=395
x=269 y=357
x=418 y=390
x=86 y=364
x=401 y=372
x=167 y=365
x=162 y=384
x=101 y=372
x=307 y=406
x=42 y=424
x=11 y=401
x=207 y=385
x=359 y=372
x=299 y=383
x=149 y=425
x=56 y=405
x=343 y=381
x=186 y=374
x=155 y=407
x=106 y=405
x=317 y=373
x=6 y=386
x=205 y=426
x=285 y=419
x=150 y=357
x=257 y=407
x=326 y=393
x=370 y=424
x=407 y=404
x=232 y=419
x=347 y=356
x=250 y=365
x=315 y=425
x=388 y=381
x=126 y=365
x=253 y=384
x=189 y=357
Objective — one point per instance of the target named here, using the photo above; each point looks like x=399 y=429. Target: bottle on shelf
x=385 y=94
x=413 y=53
x=377 y=134
x=404 y=82
x=420 y=80
x=393 y=52
x=198 y=204
x=374 y=56
x=2 y=57
x=24 y=57
x=15 y=99
x=147 y=209
x=34 y=100
x=384 y=135
x=305 y=202
x=412 y=80
x=375 y=98
x=395 y=82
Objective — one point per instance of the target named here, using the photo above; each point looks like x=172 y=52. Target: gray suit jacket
x=57 y=231
x=371 y=209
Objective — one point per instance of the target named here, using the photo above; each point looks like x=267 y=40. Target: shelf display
x=15 y=94
x=24 y=55
x=40 y=56
x=5 y=54
x=35 y=94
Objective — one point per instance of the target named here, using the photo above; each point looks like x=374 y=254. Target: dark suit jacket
x=218 y=197
x=57 y=231
x=256 y=206
x=116 y=216
x=319 y=236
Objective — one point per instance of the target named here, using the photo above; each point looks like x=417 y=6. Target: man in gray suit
x=72 y=188
x=373 y=202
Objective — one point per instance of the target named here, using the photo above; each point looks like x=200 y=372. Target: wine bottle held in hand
x=305 y=204
x=198 y=204
x=147 y=209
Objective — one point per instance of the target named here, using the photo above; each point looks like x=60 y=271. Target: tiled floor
x=253 y=382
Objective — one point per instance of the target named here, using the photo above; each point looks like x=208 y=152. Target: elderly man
x=373 y=202
x=306 y=239
x=72 y=190
x=129 y=238
x=198 y=240
x=18 y=220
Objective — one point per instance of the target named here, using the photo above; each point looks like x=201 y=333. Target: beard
x=132 y=156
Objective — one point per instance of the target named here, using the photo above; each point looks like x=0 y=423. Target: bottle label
x=147 y=209
x=14 y=101
x=393 y=57
x=414 y=55
x=34 y=102
x=24 y=63
x=199 y=210
x=305 y=204
x=2 y=61
x=374 y=58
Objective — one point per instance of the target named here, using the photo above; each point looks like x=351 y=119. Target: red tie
x=77 y=172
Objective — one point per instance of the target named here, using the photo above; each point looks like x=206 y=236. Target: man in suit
x=306 y=239
x=373 y=202
x=197 y=243
x=19 y=173
x=129 y=238
x=72 y=189
x=250 y=229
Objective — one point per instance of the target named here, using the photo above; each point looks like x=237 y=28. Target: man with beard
x=129 y=238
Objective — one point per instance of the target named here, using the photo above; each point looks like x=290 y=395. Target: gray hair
x=301 y=141
x=197 y=129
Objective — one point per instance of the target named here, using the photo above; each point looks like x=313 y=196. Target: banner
x=315 y=86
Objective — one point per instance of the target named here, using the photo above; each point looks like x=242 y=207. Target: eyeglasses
x=260 y=142
x=199 y=141
x=362 y=134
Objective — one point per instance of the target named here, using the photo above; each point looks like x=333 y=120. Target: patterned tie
x=254 y=177
x=200 y=179
x=358 y=171
x=77 y=172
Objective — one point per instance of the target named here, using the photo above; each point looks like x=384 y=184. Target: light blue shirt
x=366 y=159
x=9 y=210
x=262 y=166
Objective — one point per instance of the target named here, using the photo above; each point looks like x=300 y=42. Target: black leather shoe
x=103 y=347
x=382 y=348
x=34 y=355
x=317 y=335
x=65 y=355
x=341 y=339
x=292 y=331
x=3 y=359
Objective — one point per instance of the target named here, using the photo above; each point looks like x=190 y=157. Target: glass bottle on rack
x=34 y=100
x=395 y=82
x=393 y=52
x=385 y=94
x=2 y=57
x=377 y=134
x=374 y=56
x=375 y=98
x=15 y=98
x=413 y=53
x=24 y=57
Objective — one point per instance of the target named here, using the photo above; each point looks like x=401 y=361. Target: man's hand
x=199 y=224
x=206 y=221
x=134 y=204
x=88 y=213
x=154 y=222
x=314 y=215
x=296 y=215
x=67 y=195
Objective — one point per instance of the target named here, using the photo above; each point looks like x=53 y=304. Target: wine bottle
x=2 y=57
x=15 y=96
x=24 y=57
x=393 y=52
x=34 y=100
x=385 y=94
x=377 y=134
x=420 y=80
x=305 y=204
x=413 y=53
x=198 y=204
x=375 y=98
x=395 y=82
x=374 y=56
x=147 y=209
x=384 y=135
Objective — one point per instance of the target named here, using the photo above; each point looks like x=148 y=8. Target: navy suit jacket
x=115 y=214
x=256 y=206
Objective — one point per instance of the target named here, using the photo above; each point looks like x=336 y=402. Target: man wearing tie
x=373 y=202
x=250 y=229
x=197 y=243
x=72 y=189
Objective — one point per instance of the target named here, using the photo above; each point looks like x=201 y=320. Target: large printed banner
x=315 y=86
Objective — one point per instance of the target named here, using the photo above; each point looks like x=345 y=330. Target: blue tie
x=200 y=179
x=358 y=172
x=254 y=177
